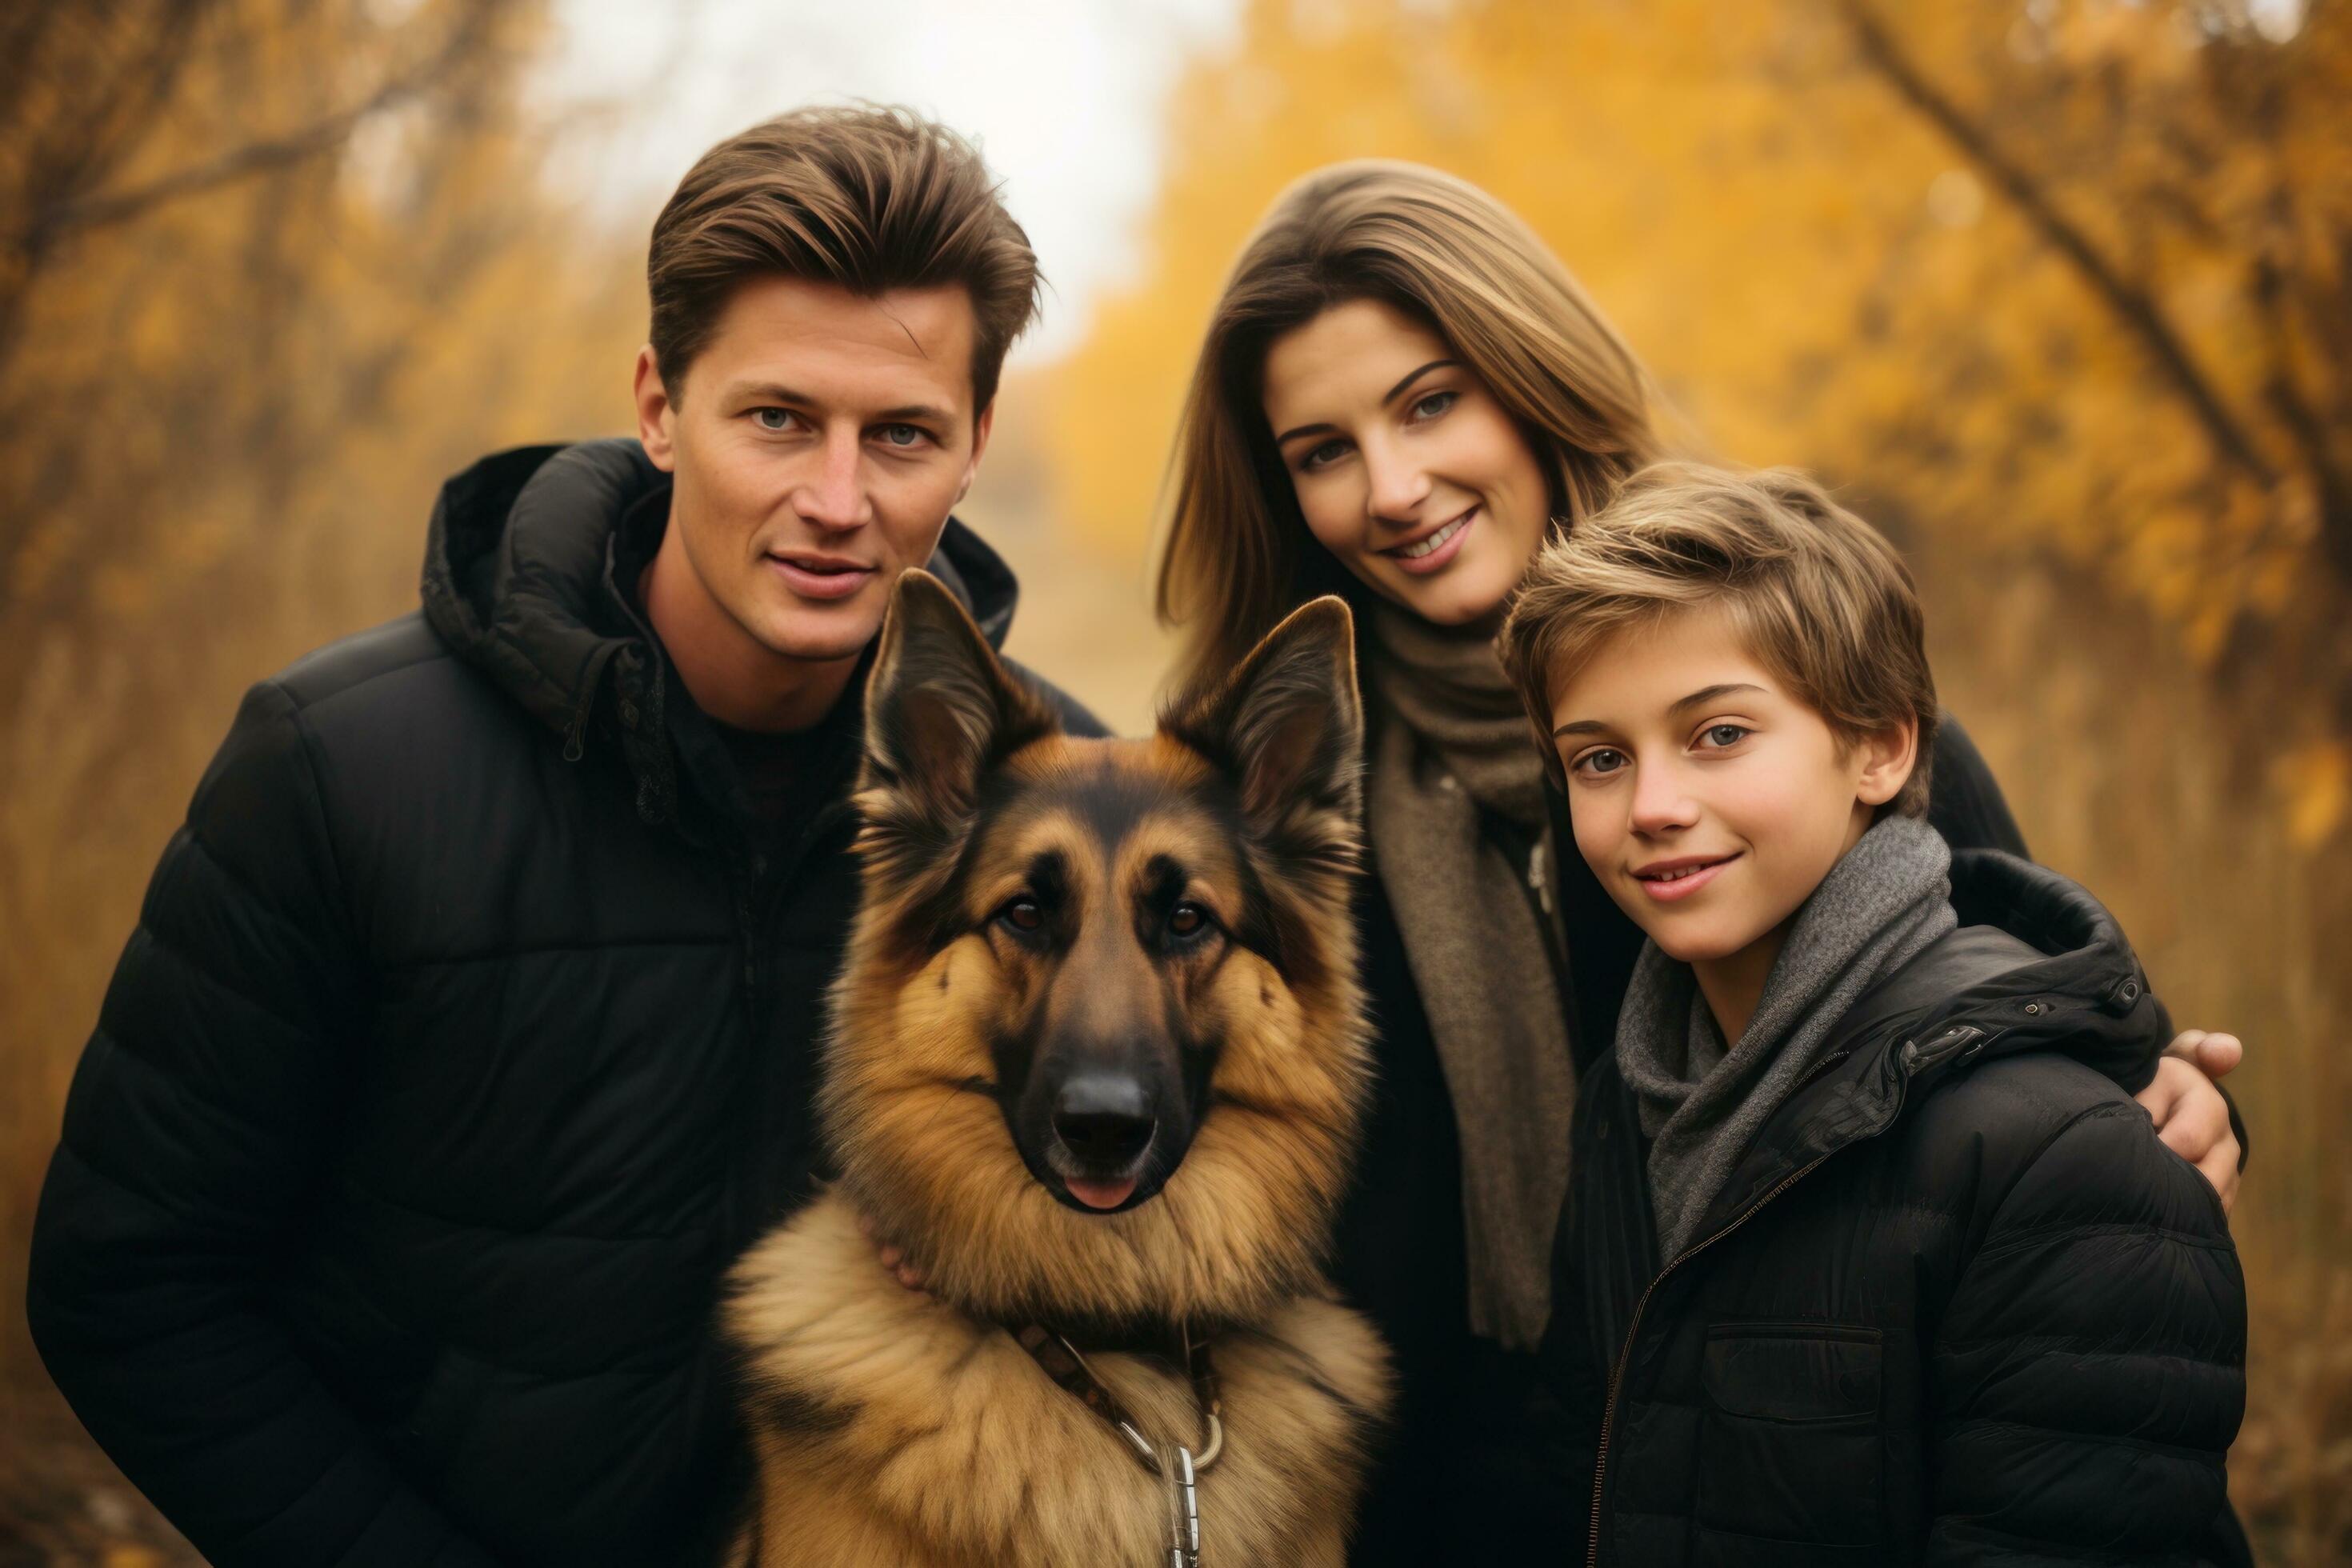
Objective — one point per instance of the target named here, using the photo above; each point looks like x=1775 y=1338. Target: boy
x=1867 y=1260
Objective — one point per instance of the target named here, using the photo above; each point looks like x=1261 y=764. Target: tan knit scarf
x=1452 y=740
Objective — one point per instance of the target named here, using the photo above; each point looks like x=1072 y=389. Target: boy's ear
x=940 y=708
x=1288 y=727
x=1886 y=759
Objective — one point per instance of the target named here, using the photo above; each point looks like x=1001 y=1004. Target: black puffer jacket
x=464 y=1040
x=1957 y=1303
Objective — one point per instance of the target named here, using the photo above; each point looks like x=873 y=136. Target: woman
x=1401 y=391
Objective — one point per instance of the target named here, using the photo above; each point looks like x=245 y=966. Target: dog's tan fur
x=900 y=1428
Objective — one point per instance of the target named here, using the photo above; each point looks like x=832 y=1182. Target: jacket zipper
x=762 y=883
x=1634 y=1329
x=1634 y=1333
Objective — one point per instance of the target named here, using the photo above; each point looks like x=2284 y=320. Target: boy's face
x=819 y=441
x=1708 y=800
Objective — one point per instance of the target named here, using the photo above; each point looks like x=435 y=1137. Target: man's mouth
x=816 y=576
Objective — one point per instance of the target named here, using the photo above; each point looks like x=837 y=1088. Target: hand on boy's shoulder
x=2190 y=1114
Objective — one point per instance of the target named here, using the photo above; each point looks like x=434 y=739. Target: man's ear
x=655 y=412
x=941 y=709
x=1288 y=727
x=1887 y=760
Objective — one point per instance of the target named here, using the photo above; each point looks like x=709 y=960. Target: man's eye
x=902 y=434
x=1602 y=761
x=776 y=419
x=1726 y=735
x=1022 y=915
x=1435 y=404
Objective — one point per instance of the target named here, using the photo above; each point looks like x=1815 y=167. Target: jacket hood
x=517 y=575
x=2036 y=965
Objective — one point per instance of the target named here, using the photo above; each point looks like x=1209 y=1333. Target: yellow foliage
x=2318 y=780
x=1815 y=272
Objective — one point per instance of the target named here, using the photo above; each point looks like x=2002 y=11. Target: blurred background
x=2058 y=291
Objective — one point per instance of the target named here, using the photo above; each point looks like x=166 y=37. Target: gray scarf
x=1702 y=1103
x=1452 y=740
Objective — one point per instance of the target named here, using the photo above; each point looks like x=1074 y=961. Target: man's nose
x=834 y=496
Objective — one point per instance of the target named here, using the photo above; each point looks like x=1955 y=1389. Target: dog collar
x=1177 y=1466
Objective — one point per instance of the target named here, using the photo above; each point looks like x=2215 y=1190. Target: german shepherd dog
x=1096 y=1064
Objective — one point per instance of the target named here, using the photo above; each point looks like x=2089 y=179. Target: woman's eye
x=1324 y=455
x=1187 y=920
x=772 y=419
x=902 y=434
x=1726 y=735
x=1435 y=404
x=1022 y=915
x=1603 y=760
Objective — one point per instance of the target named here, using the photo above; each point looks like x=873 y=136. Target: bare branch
x=84 y=213
x=2130 y=304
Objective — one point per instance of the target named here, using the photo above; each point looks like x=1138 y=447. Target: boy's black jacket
x=467 y=1037
x=1955 y=1304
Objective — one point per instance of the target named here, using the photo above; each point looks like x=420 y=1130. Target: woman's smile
x=1435 y=551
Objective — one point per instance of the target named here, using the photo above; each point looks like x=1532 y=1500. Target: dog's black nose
x=1104 y=1118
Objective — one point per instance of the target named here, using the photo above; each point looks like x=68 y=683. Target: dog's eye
x=1187 y=920
x=1022 y=915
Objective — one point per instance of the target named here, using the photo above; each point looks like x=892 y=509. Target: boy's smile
x=1708 y=798
x=1667 y=881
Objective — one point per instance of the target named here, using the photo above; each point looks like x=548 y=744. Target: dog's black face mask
x=1110 y=881
x=1110 y=940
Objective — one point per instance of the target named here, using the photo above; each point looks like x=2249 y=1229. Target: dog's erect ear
x=1288 y=727
x=940 y=708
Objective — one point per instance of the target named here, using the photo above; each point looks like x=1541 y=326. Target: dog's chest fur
x=893 y=1429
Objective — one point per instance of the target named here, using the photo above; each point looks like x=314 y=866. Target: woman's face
x=1406 y=467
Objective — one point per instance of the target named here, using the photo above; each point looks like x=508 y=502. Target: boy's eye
x=1726 y=734
x=774 y=419
x=1601 y=760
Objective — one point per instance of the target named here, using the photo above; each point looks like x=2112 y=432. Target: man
x=469 y=1031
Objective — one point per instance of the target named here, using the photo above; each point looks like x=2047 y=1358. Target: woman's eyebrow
x=1391 y=395
x=1398 y=390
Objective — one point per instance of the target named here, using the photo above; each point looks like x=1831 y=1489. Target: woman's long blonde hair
x=1236 y=556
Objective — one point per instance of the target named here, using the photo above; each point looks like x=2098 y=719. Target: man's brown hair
x=867 y=197
x=1819 y=597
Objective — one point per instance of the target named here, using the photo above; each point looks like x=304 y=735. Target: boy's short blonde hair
x=1821 y=597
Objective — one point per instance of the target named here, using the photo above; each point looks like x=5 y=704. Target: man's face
x=818 y=442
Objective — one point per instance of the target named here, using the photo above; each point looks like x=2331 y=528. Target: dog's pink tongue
x=1100 y=1194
